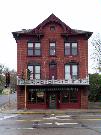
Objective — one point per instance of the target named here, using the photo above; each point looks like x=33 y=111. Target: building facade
x=52 y=66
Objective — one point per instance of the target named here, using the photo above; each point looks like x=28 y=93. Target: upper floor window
x=52 y=71
x=52 y=28
x=70 y=48
x=52 y=48
x=37 y=49
x=35 y=71
x=71 y=71
x=30 y=49
x=34 y=49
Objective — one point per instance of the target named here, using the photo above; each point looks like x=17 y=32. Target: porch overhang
x=71 y=82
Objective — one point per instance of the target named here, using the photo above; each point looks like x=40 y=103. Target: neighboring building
x=57 y=57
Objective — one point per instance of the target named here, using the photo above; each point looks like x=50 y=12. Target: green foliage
x=1 y=91
x=2 y=78
x=28 y=74
x=3 y=71
x=13 y=80
x=95 y=87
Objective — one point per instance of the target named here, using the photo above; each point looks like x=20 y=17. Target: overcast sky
x=27 y=14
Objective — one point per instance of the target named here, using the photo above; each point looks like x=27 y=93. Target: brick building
x=52 y=66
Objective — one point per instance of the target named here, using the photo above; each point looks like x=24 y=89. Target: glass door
x=52 y=101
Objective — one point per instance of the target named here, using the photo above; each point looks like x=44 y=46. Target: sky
x=27 y=14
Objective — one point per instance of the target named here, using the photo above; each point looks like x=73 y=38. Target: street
x=66 y=123
x=7 y=98
x=48 y=124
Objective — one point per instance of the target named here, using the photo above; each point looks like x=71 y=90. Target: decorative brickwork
x=61 y=34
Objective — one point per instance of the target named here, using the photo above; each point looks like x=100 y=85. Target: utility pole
x=7 y=85
x=25 y=88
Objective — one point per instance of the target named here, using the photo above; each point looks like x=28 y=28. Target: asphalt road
x=7 y=98
x=51 y=124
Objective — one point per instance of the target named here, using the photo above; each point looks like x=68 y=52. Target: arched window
x=35 y=71
x=52 y=70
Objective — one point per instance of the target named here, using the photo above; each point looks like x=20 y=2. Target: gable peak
x=51 y=19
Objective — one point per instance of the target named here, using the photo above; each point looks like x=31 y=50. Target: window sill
x=52 y=56
x=34 y=55
x=71 y=55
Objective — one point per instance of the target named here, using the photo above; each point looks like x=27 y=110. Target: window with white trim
x=71 y=71
x=52 y=50
x=30 y=49
x=35 y=71
x=71 y=48
x=37 y=49
x=34 y=49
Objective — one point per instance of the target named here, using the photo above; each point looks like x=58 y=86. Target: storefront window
x=35 y=97
x=32 y=96
x=70 y=96
x=40 y=97
x=65 y=97
x=73 y=96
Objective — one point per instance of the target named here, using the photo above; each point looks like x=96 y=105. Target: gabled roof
x=52 y=19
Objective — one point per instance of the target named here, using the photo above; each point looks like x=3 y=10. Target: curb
x=7 y=112
x=51 y=112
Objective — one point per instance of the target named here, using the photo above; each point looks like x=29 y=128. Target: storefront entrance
x=54 y=98
x=52 y=101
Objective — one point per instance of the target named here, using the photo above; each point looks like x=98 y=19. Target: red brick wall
x=21 y=56
x=20 y=98
x=81 y=58
x=84 y=98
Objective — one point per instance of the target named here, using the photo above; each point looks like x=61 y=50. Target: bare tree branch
x=96 y=55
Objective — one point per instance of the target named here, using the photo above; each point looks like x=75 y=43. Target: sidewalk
x=12 y=109
x=8 y=107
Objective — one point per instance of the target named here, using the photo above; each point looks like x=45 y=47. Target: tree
x=7 y=79
x=95 y=87
x=2 y=77
x=26 y=74
x=96 y=55
x=12 y=80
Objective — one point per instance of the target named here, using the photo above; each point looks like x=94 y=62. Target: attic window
x=52 y=28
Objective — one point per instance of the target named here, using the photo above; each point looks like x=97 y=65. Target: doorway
x=52 y=101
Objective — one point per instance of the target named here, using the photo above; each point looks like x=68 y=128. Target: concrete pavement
x=11 y=108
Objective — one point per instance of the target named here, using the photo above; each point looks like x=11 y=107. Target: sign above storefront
x=53 y=82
